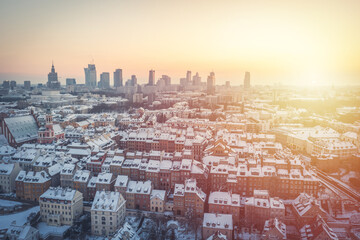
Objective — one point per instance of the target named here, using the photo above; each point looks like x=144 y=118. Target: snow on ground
x=188 y=235
x=133 y=221
x=288 y=201
x=172 y=223
x=20 y=217
x=245 y=235
x=351 y=174
x=45 y=230
x=7 y=203
x=340 y=172
x=146 y=226
x=87 y=237
x=186 y=232
x=356 y=232
x=168 y=213
x=13 y=195
x=346 y=214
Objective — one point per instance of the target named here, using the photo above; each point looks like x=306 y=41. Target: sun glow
x=274 y=40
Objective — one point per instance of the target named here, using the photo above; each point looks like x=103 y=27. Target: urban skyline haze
x=291 y=42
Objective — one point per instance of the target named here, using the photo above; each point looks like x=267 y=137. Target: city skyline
x=280 y=42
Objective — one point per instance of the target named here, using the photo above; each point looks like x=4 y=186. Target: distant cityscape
x=104 y=82
x=133 y=91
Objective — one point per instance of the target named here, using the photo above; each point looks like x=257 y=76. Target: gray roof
x=22 y=128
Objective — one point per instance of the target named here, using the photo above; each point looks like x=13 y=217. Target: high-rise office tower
x=196 y=79
x=188 y=77
x=131 y=82
x=151 y=77
x=27 y=85
x=167 y=80
x=53 y=82
x=90 y=76
x=211 y=83
x=247 y=80
x=104 y=82
x=118 y=79
x=70 y=81
x=12 y=84
x=6 y=84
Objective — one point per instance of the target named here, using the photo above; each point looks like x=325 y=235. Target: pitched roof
x=23 y=128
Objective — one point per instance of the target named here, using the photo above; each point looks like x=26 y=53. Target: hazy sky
x=277 y=41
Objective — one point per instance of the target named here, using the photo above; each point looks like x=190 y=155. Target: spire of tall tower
x=53 y=82
x=52 y=66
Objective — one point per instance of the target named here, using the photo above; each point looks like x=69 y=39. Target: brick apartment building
x=30 y=185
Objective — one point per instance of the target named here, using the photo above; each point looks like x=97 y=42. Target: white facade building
x=61 y=206
x=8 y=174
x=107 y=213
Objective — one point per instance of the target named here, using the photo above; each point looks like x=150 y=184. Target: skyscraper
x=90 y=76
x=118 y=79
x=53 y=82
x=151 y=77
x=6 y=84
x=12 y=84
x=188 y=77
x=133 y=80
x=167 y=80
x=211 y=83
x=27 y=85
x=104 y=82
x=70 y=81
x=247 y=80
x=196 y=79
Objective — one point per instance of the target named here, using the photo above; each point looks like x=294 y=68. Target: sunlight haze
x=288 y=42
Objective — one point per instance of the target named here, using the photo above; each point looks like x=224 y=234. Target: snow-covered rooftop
x=23 y=128
x=107 y=201
x=218 y=221
x=58 y=193
x=6 y=168
x=158 y=193
x=82 y=176
x=33 y=177
x=121 y=181
x=139 y=187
